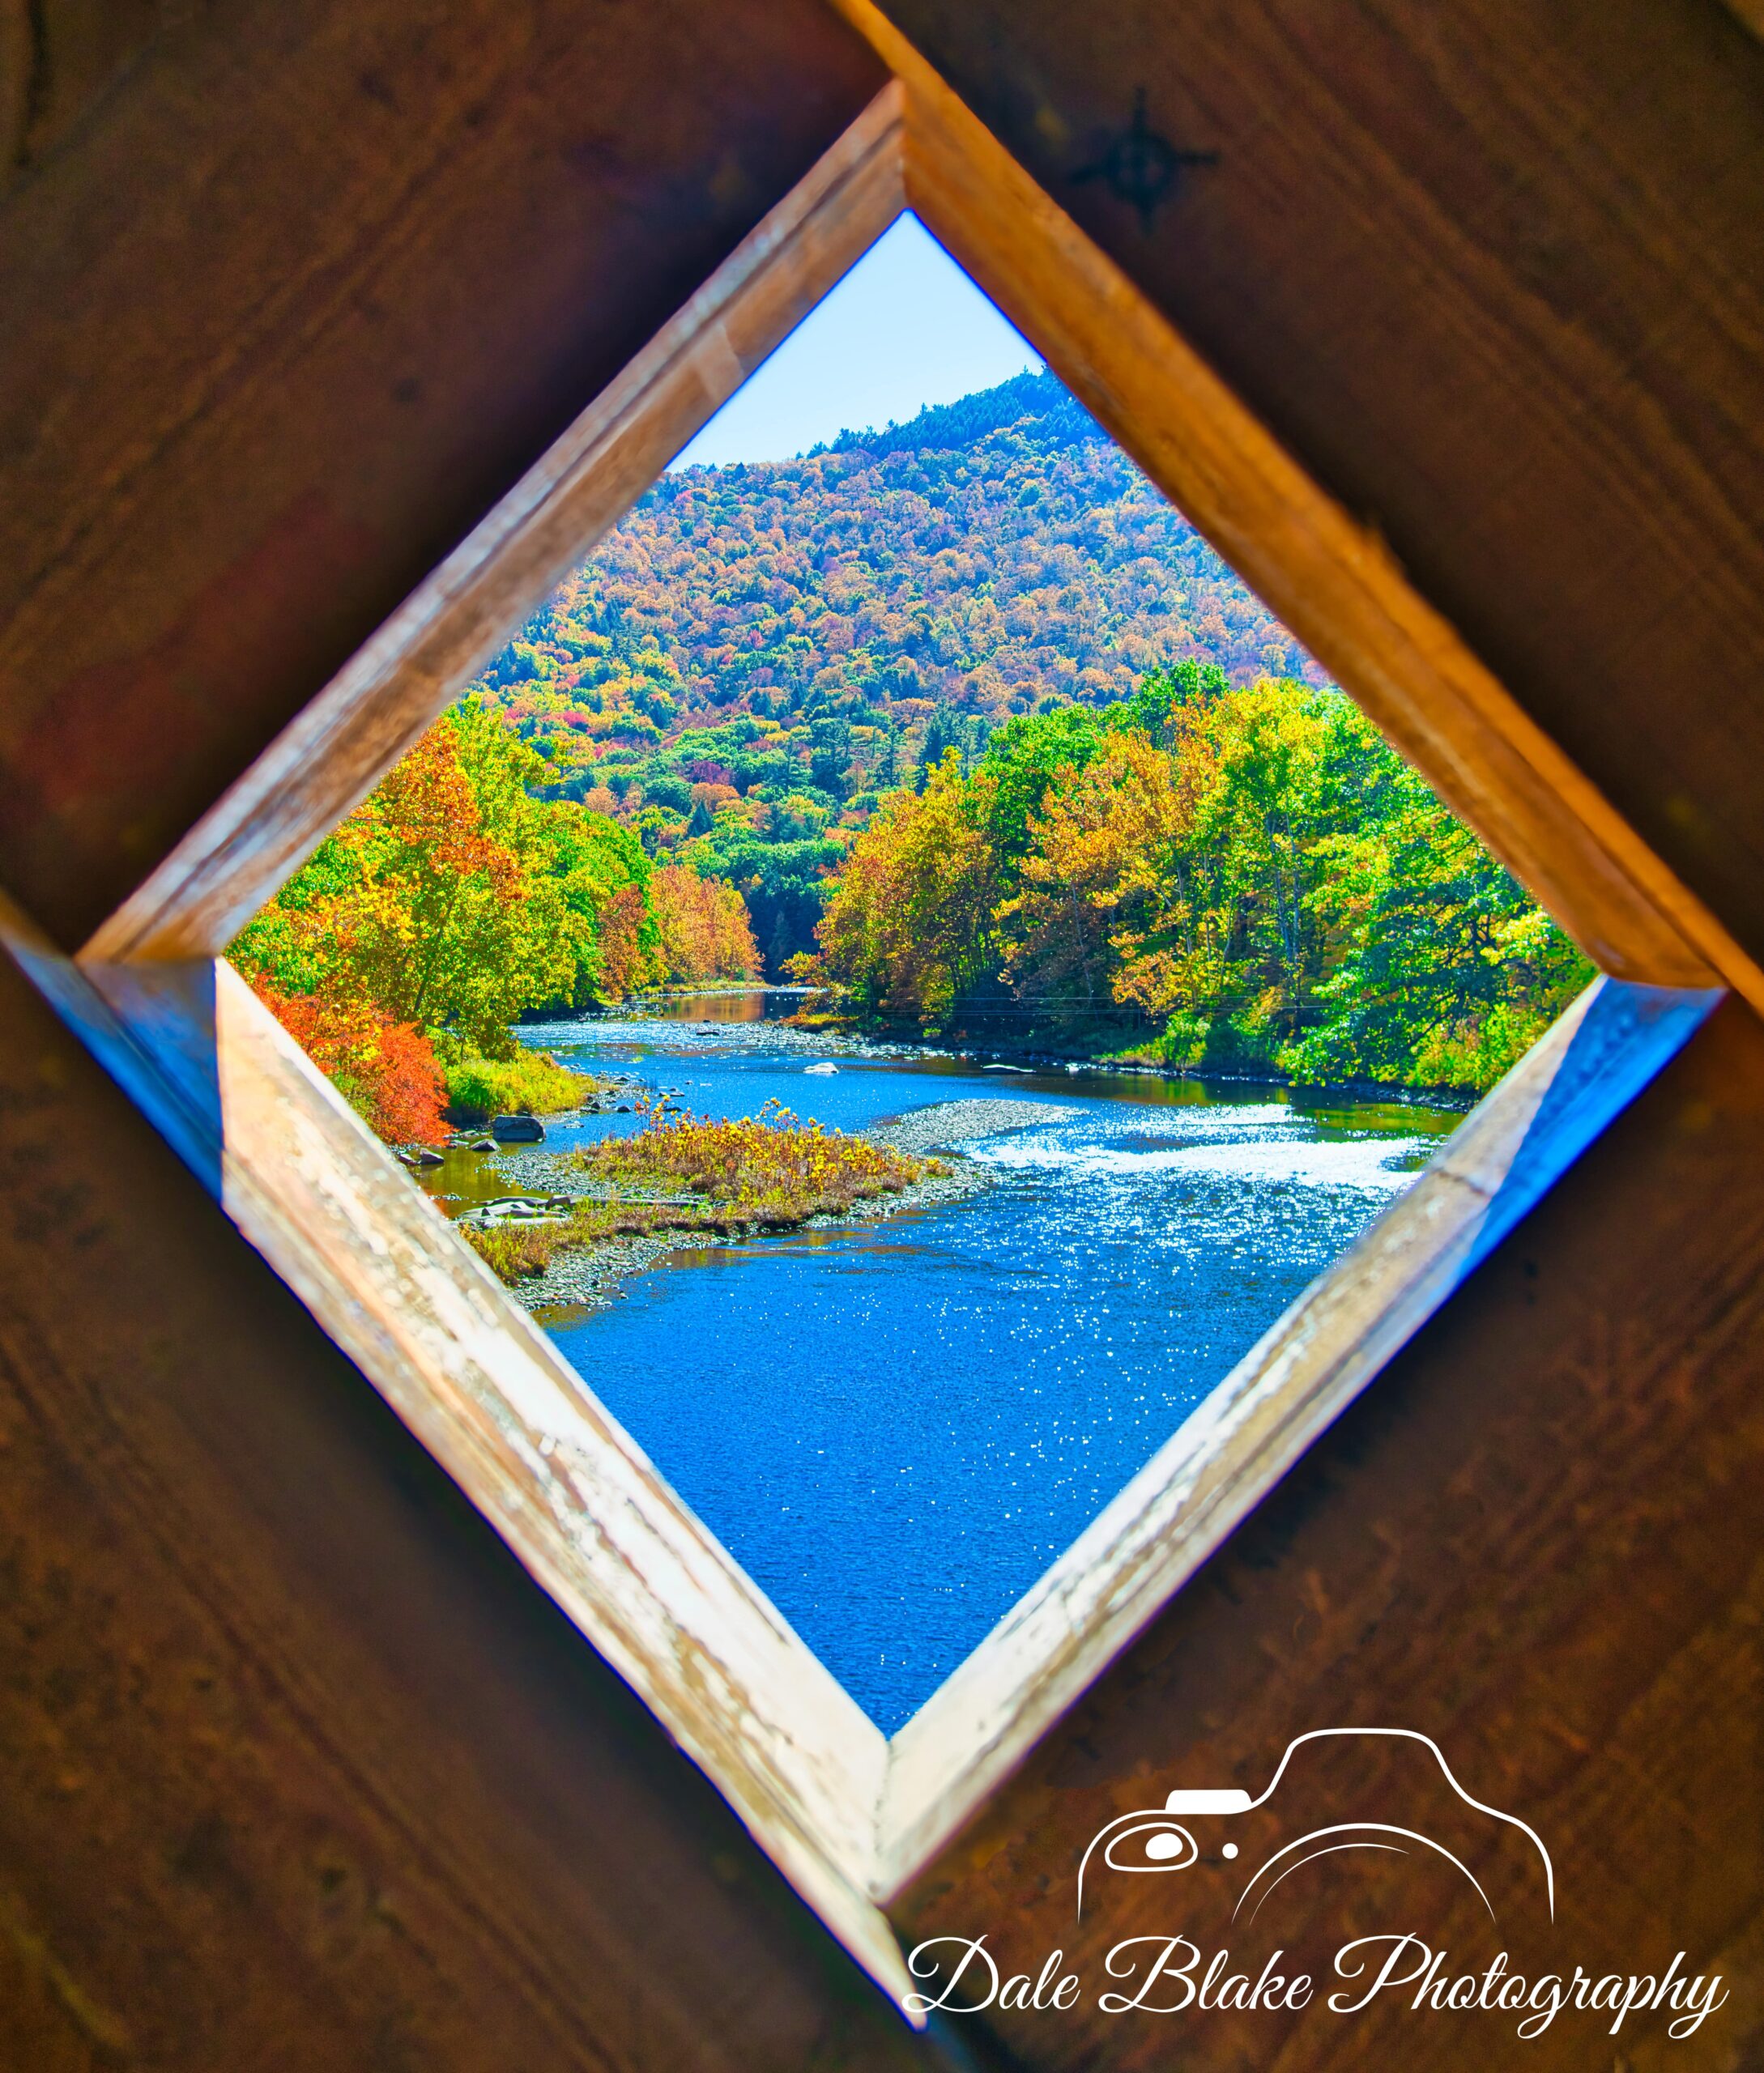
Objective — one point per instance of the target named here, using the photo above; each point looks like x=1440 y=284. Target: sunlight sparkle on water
x=897 y=1425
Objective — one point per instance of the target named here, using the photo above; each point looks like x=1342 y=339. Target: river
x=896 y=1426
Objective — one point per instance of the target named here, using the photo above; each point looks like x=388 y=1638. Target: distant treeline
x=1037 y=404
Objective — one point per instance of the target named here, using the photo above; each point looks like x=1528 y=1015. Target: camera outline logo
x=1162 y=1843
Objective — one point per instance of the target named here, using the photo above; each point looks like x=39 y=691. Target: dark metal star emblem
x=1140 y=167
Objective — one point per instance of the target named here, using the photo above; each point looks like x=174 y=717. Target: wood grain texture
x=1493 y=276
x=486 y=1392
x=1287 y=1389
x=297 y=1767
x=1331 y=579
x=1535 y=1539
x=320 y=283
x=339 y=746
x=58 y=60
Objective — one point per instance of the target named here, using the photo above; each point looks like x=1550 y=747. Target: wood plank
x=1505 y=314
x=265 y=825
x=1535 y=1536
x=1260 y=1422
x=320 y=283
x=466 y=1369
x=487 y=1392
x=298 y=1768
x=58 y=60
x=1536 y=1541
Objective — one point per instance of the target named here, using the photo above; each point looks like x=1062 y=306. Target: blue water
x=897 y=1425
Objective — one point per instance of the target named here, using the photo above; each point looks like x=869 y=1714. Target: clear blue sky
x=905 y=328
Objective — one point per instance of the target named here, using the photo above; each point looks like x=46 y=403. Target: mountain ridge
x=1037 y=394
x=987 y=555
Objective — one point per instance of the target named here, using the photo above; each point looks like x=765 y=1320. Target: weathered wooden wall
x=57 y=62
x=287 y=309
x=1493 y=271
x=1535 y=1539
x=297 y=1767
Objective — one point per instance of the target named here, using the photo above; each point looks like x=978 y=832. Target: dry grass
x=517 y=1252
x=764 y=1172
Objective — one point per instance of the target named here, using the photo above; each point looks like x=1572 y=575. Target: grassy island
x=686 y=1173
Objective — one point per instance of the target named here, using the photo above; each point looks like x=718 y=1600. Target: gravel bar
x=587 y=1277
x=947 y=1124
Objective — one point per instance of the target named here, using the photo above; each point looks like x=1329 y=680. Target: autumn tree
x=1103 y=879
x=702 y=925
x=911 y=927
x=1251 y=868
x=1449 y=972
x=427 y=904
x=386 y=1071
x=454 y=900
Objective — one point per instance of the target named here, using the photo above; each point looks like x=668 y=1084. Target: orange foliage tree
x=703 y=922
x=386 y=1070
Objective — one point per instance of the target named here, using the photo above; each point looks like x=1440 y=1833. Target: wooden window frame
x=849 y=1815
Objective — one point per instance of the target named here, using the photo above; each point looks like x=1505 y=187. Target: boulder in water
x=517 y=1129
x=819 y=1071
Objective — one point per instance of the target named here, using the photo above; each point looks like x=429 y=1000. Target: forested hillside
x=988 y=555
x=961 y=717
x=765 y=648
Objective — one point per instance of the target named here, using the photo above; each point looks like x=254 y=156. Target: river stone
x=482 y=1144
x=425 y=1155
x=517 y=1129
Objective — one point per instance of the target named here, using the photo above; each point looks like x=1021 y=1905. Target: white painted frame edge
x=848 y=1818
x=482 y=1387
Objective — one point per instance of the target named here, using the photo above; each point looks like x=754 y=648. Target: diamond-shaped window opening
x=848 y=1815
x=896 y=1426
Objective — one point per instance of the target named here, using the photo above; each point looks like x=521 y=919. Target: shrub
x=517 y=1252
x=763 y=1170
x=1186 y=1039
x=689 y=1173
x=386 y=1070
x=532 y=1083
